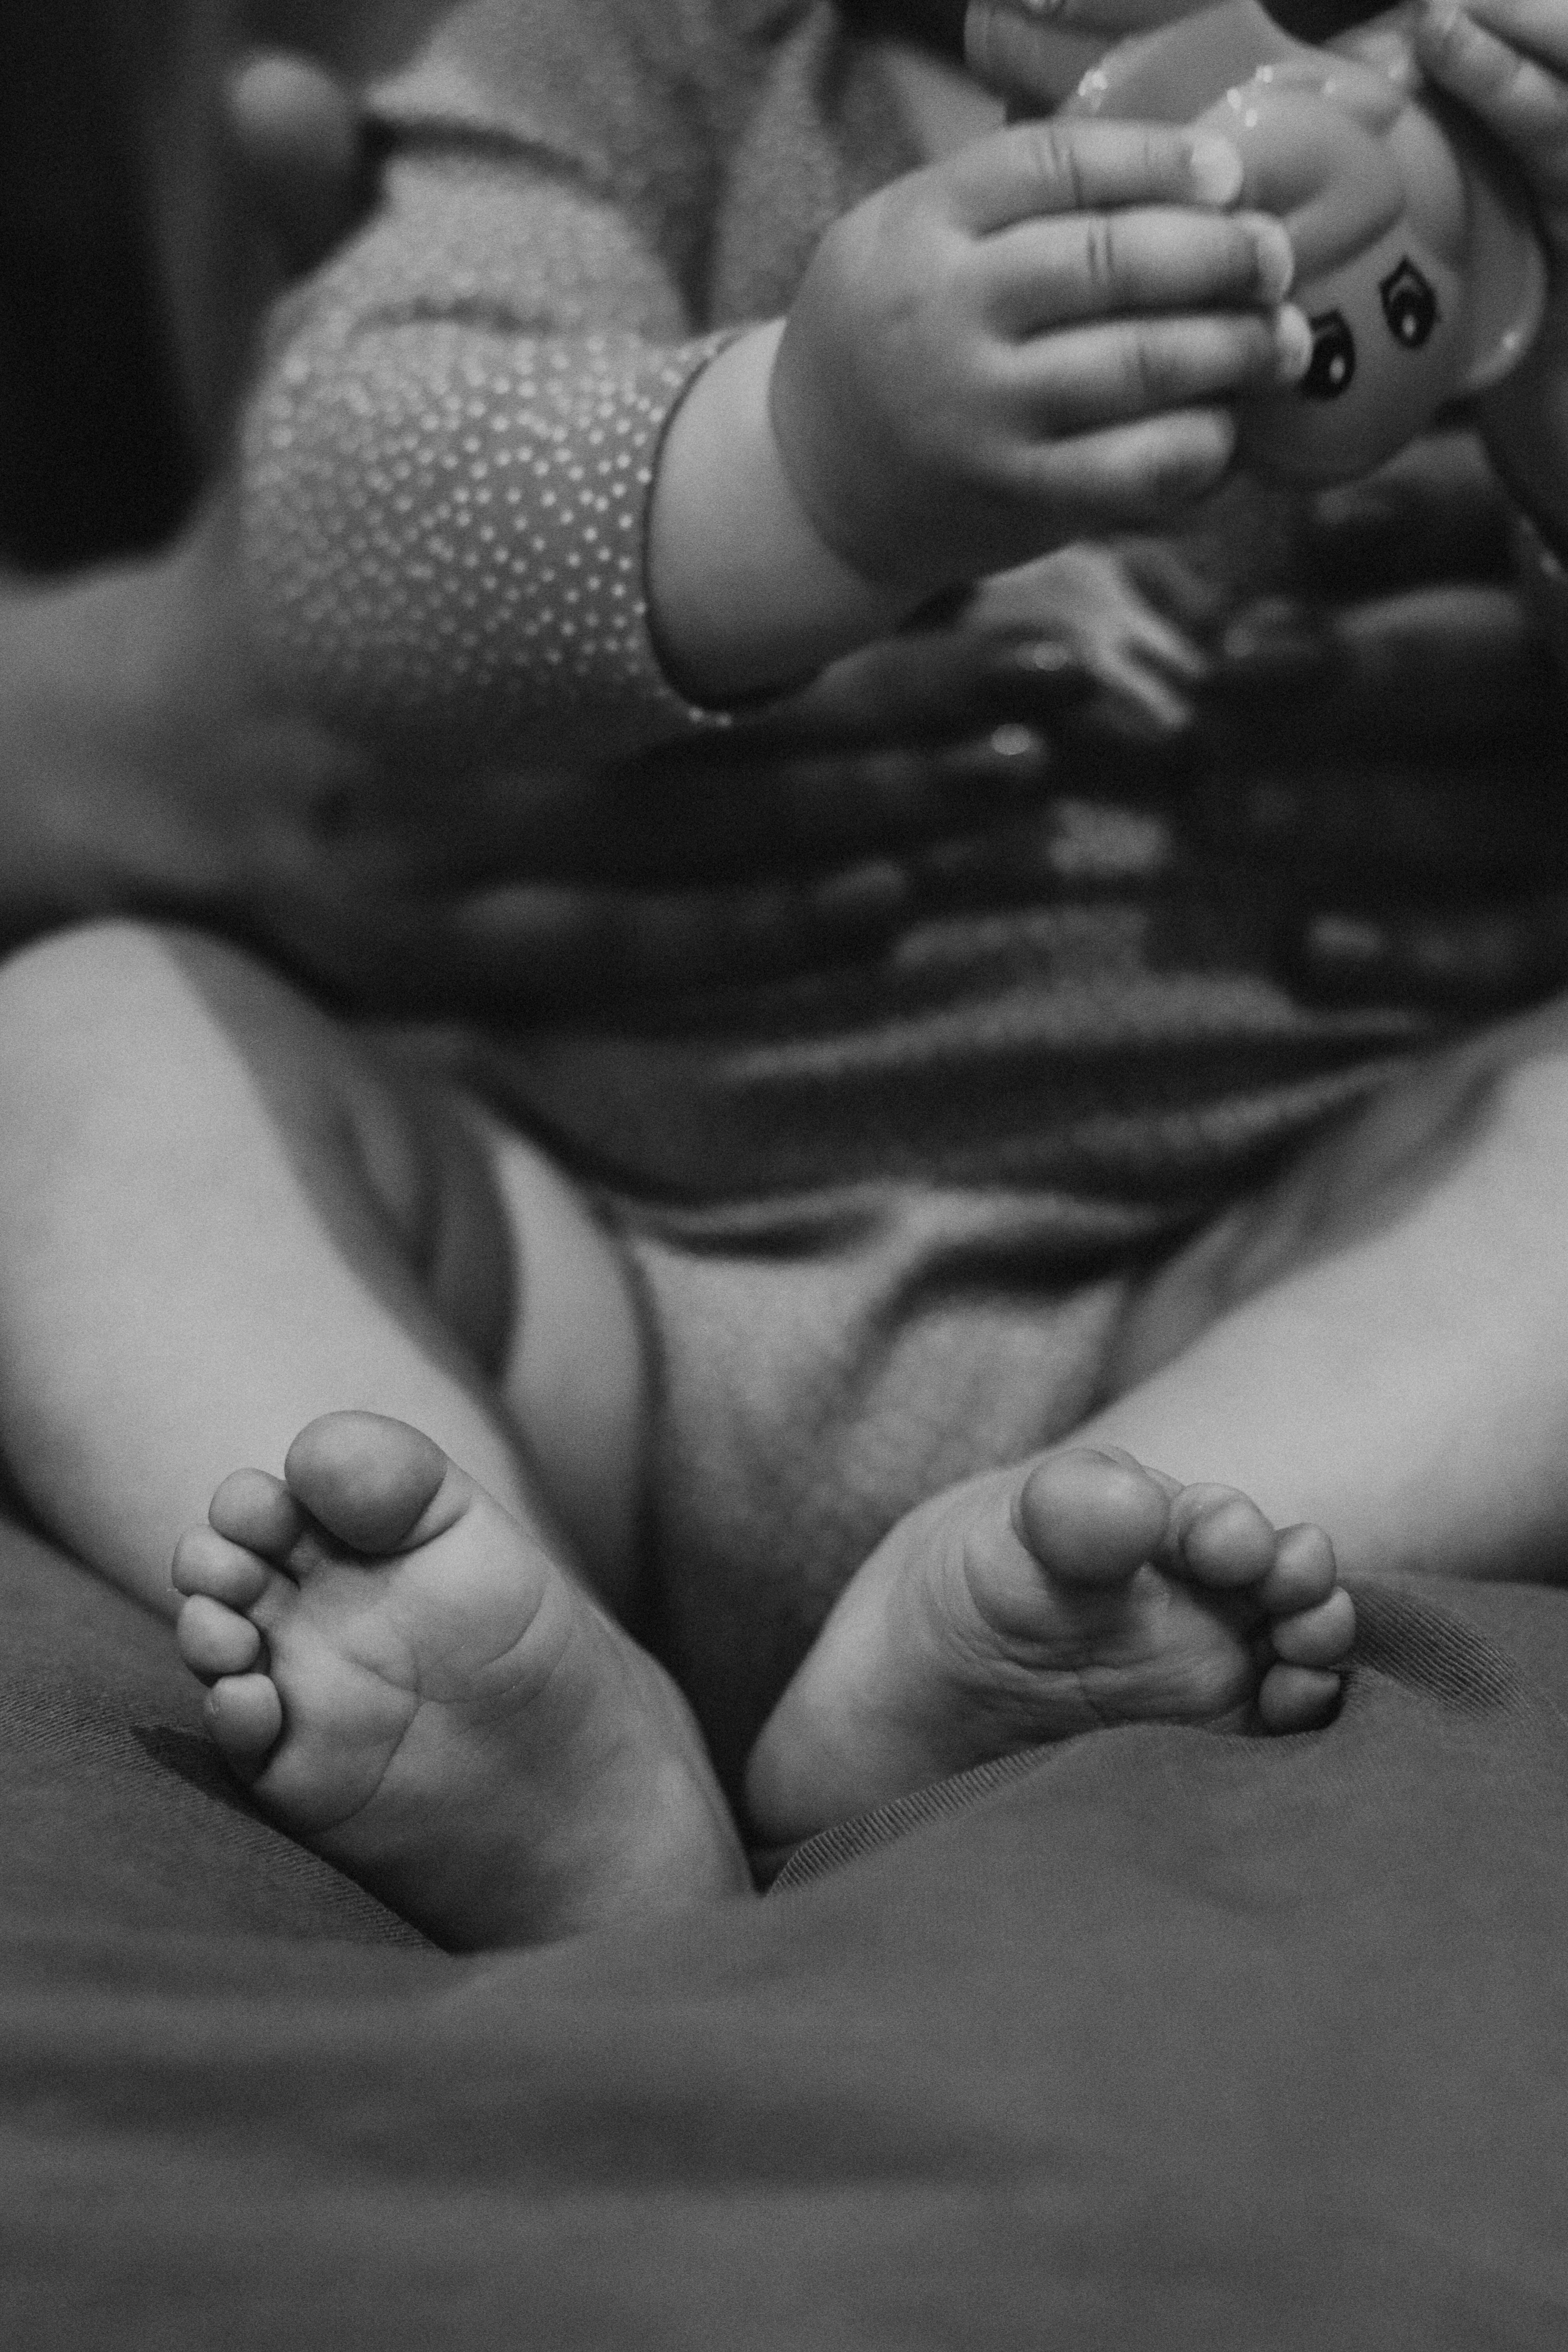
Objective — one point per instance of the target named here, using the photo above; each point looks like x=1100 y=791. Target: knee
x=1529 y=1098
x=92 y=1004
x=60 y=989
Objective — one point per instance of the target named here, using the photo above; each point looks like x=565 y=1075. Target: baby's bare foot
x=1035 y=1603
x=410 y=1685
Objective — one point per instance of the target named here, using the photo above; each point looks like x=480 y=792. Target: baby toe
x=257 y=1510
x=214 y=1640
x=209 y=1563
x=1304 y=1572
x=1296 y=1698
x=369 y=1480
x=244 y=1717
x=1320 y=1637
x=1091 y=1517
x=1221 y=1538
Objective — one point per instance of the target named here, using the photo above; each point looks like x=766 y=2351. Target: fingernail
x=1292 y=343
x=1275 y=258
x=865 y=899
x=1216 y=170
x=1274 y=635
x=1346 y=942
x=1013 y=741
x=1039 y=657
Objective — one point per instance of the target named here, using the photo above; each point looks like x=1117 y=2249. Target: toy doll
x=1417 y=260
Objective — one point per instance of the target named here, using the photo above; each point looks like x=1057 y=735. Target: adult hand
x=806 y=837
x=143 y=768
x=1424 y=724
x=1506 y=61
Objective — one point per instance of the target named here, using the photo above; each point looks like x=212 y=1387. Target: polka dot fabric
x=448 y=462
x=448 y=510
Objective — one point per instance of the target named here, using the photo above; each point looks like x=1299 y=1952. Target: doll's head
x=1415 y=259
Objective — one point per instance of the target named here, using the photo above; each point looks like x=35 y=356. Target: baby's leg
x=218 y=1222
x=1376 y=1342
x=1372 y=1345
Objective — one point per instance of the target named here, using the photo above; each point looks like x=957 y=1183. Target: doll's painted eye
x=1409 y=305
x=1333 y=357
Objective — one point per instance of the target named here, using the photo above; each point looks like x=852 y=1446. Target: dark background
x=112 y=199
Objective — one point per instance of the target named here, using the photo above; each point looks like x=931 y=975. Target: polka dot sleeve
x=447 y=470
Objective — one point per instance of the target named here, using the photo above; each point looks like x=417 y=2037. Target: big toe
x=368 y=1480
x=1091 y=1516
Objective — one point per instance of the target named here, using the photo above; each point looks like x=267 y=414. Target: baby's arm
x=1034 y=339
x=454 y=531
x=447 y=462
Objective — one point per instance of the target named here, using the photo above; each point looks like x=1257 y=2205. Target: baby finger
x=1536 y=28
x=1132 y=475
x=1521 y=97
x=1100 y=375
x=1046 y=273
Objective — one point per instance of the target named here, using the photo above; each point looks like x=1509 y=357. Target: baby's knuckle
x=1056 y=164
x=1149 y=374
x=1097 y=253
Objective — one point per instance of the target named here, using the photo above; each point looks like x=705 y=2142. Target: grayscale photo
x=784 y=1175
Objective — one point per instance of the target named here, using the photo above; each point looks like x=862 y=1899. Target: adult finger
x=520 y=951
x=1453 y=672
x=1132 y=475
x=1453 y=666
x=1036 y=168
x=781 y=814
x=811 y=810
x=1035 y=58
x=1472 y=962
x=1435 y=512
x=926 y=686
x=1043 y=275
x=1506 y=59
x=1536 y=26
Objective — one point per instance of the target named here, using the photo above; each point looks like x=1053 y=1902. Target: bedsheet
x=1173 y=2039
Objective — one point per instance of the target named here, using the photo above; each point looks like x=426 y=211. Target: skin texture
x=1507 y=62
x=145 y=765
x=361 y=1273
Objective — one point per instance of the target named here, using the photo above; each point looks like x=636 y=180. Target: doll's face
x=1372 y=192
x=1386 y=203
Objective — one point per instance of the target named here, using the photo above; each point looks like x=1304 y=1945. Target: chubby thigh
x=1366 y=1334
x=223 y=1214
x=1372 y=1340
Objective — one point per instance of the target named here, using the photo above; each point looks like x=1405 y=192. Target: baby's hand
x=1507 y=60
x=1035 y=341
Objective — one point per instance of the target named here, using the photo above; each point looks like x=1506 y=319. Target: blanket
x=1160 y=2038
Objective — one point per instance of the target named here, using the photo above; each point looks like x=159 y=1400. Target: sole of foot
x=411 y=1685
x=1034 y=1604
